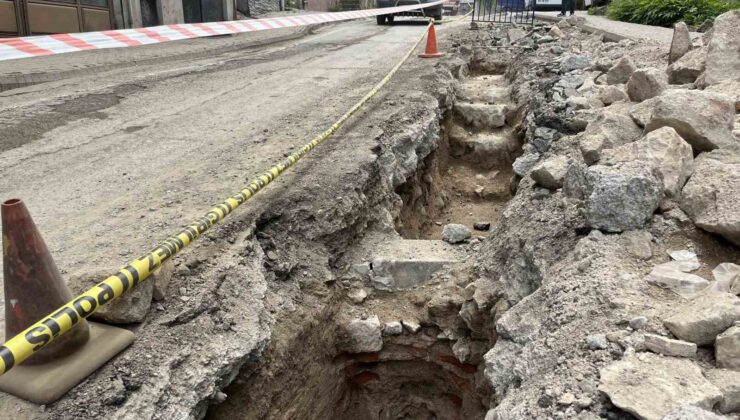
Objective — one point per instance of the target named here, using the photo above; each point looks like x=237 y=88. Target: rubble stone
x=723 y=60
x=357 y=295
x=688 y=68
x=729 y=88
x=130 y=308
x=663 y=148
x=651 y=386
x=551 y=172
x=703 y=119
x=727 y=348
x=711 y=196
x=690 y=412
x=362 y=336
x=646 y=83
x=681 y=42
x=670 y=276
x=597 y=342
x=727 y=276
x=703 y=318
x=641 y=111
x=575 y=62
x=728 y=382
x=393 y=328
x=611 y=94
x=621 y=72
x=524 y=163
x=621 y=197
x=454 y=233
x=667 y=347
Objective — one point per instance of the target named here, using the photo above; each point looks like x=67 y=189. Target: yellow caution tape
x=43 y=332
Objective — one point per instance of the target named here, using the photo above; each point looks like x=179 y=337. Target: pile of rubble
x=618 y=255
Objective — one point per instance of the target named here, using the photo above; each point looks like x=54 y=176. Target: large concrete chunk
x=703 y=318
x=405 y=264
x=712 y=194
x=621 y=197
x=663 y=148
x=650 y=386
x=646 y=83
x=667 y=347
x=482 y=115
x=723 y=59
x=727 y=348
x=681 y=42
x=728 y=382
x=704 y=119
x=688 y=68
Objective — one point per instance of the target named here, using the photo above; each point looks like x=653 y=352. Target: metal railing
x=504 y=11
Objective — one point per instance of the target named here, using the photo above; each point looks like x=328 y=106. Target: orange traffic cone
x=431 y=50
x=34 y=289
x=33 y=286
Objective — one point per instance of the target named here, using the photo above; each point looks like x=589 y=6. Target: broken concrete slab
x=701 y=319
x=668 y=347
x=405 y=264
x=671 y=276
x=650 y=386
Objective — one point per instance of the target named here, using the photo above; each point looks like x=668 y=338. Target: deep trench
x=413 y=376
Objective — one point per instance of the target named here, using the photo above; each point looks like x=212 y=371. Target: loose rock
x=482 y=115
x=621 y=72
x=703 y=119
x=597 y=342
x=663 y=148
x=728 y=382
x=688 y=68
x=681 y=42
x=362 y=336
x=551 y=172
x=575 y=62
x=393 y=328
x=727 y=348
x=455 y=233
x=690 y=412
x=621 y=197
x=723 y=60
x=650 y=386
x=667 y=347
x=711 y=196
x=646 y=83
x=703 y=318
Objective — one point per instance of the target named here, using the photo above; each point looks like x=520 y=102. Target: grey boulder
x=688 y=68
x=620 y=73
x=454 y=233
x=621 y=197
x=646 y=83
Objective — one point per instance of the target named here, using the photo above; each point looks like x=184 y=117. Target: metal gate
x=504 y=11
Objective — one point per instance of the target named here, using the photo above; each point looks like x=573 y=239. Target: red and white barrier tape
x=35 y=46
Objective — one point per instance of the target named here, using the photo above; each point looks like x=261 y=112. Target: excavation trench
x=396 y=337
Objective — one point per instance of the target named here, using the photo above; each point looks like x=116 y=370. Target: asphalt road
x=111 y=164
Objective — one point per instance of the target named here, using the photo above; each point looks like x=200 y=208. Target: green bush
x=668 y=12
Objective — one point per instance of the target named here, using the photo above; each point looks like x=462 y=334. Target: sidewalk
x=620 y=30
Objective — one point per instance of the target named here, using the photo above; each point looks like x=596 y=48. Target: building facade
x=40 y=17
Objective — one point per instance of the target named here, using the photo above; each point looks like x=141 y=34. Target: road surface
x=112 y=163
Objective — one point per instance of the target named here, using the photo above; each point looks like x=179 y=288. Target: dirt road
x=110 y=164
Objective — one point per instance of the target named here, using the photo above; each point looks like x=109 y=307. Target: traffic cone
x=431 y=49
x=33 y=285
x=34 y=288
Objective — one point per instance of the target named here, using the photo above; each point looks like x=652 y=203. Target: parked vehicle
x=433 y=12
